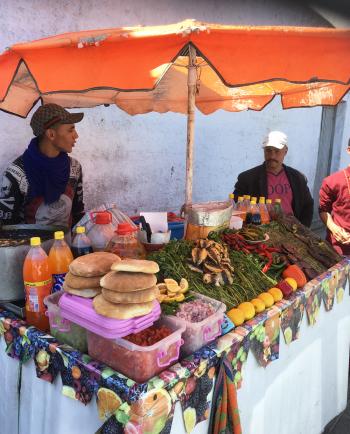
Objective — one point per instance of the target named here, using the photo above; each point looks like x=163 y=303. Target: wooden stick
x=191 y=83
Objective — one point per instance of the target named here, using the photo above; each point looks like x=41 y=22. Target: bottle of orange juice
x=37 y=284
x=60 y=256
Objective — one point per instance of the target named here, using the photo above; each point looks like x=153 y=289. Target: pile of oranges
x=247 y=310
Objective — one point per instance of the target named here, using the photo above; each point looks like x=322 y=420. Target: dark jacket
x=254 y=183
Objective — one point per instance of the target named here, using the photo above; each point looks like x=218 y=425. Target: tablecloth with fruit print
x=126 y=406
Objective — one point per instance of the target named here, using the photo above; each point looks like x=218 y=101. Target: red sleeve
x=327 y=197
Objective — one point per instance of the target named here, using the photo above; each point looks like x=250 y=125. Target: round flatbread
x=142 y=296
x=86 y=293
x=136 y=266
x=93 y=264
x=121 y=311
x=123 y=281
x=78 y=282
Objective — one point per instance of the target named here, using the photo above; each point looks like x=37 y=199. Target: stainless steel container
x=12 y=257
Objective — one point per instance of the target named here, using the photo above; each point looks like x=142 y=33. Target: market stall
x=317 y=365
x=177 y=68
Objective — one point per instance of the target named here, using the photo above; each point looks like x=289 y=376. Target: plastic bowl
x=156 y=237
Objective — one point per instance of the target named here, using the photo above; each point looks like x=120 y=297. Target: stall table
x=302 y=387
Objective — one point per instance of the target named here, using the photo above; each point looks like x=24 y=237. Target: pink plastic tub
x=198 y=334
x=136 y=362
x=80 y=311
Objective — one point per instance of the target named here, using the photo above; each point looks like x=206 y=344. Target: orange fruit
x=258 y=304
x=266 y=298
x=108 y=403
x=292 y=282
x=236 y=316
x=76 y=372
x=276 y=293
x=248 y=309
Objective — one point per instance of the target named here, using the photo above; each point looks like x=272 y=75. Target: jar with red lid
x=125 y=243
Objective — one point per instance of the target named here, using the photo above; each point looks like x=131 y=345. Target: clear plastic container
x=62 y=329
x=102 y=230
x=81 y=244
x=136 y=362
x=199 y=334
x=125 y=243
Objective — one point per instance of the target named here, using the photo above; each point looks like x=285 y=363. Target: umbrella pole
x=191 y=83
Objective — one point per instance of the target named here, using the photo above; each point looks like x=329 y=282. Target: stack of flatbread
x=85 y=272
x=129 y=290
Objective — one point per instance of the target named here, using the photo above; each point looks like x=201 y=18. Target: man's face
x=274 y=157
x=64 y=137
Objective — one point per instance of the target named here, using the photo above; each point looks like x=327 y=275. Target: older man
x=273 y=180
x=334 y=208
x=44 y=184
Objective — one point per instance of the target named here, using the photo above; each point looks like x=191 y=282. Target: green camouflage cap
x=48 y=115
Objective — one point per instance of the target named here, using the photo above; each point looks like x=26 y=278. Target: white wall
x=139 y=161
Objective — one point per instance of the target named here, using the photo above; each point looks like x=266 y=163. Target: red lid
x=103 y=217
x=125 y=228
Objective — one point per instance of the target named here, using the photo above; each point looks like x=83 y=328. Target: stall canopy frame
x=178 y=67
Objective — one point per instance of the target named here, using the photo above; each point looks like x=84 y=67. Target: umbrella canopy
x=143 y=69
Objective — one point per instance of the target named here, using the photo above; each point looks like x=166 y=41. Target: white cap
x=276 y=139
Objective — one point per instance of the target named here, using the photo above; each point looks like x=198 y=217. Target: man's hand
x=340 y=234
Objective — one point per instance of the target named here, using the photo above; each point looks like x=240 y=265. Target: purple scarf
x=47 y=177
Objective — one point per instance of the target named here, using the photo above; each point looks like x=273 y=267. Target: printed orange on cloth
x=142 y=69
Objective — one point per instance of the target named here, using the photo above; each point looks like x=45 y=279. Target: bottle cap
x=278 y=200
x=231 y=196
x=59 y=235
x=246 y=196
x=80 y=230
x=253 y=201
x=103 y=218
x=268 y=201
x=35 y=241
x=240 y=198
x=125 y=228
x=254 y=198
x=261 y=199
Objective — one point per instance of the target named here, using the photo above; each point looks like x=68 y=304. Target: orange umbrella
x=177 y=67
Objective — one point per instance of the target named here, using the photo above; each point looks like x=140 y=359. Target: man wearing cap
x=44 y=184
x=334 y=208
x=273 y=180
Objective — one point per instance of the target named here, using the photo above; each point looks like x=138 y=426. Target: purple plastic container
x=80 y=311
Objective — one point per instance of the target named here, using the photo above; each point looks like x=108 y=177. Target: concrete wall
x=139 y=162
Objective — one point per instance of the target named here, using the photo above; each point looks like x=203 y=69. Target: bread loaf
x=121 y=311
x=142 y=296
x=79 y=282
x=93 y=264
x=122 y=281
x=136 y=266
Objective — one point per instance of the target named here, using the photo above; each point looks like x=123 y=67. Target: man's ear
x=286 y=149
x=50 y=133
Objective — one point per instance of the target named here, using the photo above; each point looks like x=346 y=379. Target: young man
x=334 y=208
x=44 y=184
x=273 y=180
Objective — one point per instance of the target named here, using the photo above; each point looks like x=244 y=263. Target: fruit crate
x=62 y=329
x=199 y=334
x=137 y=362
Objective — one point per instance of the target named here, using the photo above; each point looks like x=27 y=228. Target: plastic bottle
x=60 y=256
x=241 y=209
x=102 y=231
x=81 y=244
x=255 y=213
x=269 y=208
x=265 y=217
x=125 y=243
x=232 y=200
x=277 y=209
x=37 y=284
